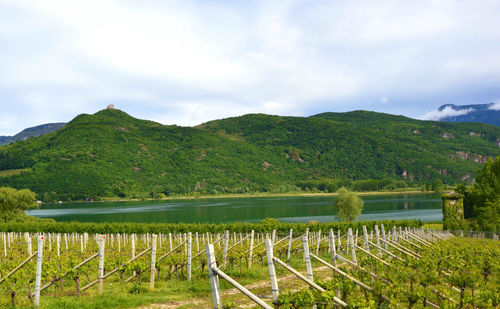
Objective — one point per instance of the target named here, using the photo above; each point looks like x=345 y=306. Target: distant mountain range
x=32 y=132
x=111 y=154
x=483 y=113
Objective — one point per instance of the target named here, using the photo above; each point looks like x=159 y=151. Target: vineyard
x=402 y=267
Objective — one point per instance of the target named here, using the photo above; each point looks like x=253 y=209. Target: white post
x=214 y=279
x=102 y=242
x=378 y=240
x=4 y=244
x=250 y=257
x=119 y=238
x=307 y=258
x=353 y=251
x=226 y=243
x=28 y=239
x=81 y=243
x=272 y=271
x=290 y=236
x=50 y=241
x=133 y=245
x=66 y=240
x=189 y=244
x=38 y=277
x=319 y=240
x=153 y=263
x=274 y=237
x=170 y=240
x=197 y=243
x=58 y=244
x=383 y=236
x=332 y=246
x=365 y=238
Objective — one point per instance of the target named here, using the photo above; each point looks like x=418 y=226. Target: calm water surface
x=426 y=207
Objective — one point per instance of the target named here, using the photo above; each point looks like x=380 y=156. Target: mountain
x=31 y=132
x=483 y=113
x=111 y=154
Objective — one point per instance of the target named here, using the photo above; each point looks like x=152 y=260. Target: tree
x=13 y=202
x=482 y=201
x=437 y=185
x=348 y=205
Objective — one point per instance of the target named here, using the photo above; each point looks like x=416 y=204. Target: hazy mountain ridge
x=483 y=113
x=32 y=132
x=111 y=153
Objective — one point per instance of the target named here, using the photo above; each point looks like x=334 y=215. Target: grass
x=7 y=173
x=433 y=226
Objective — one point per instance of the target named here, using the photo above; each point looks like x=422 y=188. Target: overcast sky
x=187 y=62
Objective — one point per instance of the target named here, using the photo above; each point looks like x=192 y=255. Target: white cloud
x=495 y=107
x=448 y=111
x=301 y=57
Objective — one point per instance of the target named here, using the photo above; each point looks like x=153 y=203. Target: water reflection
x=426 y=207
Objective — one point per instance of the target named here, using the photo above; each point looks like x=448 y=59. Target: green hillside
x=111 y=154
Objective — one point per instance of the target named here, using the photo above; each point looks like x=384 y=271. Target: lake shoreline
x=250 y=195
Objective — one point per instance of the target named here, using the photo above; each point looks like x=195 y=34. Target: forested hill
x=111 y=153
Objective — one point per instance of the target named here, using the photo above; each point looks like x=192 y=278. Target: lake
x=426 y=207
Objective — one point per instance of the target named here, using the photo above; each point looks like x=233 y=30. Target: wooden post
x=274 y=237
x=251 y=249
x=38 y=277
x=102 y=242
x=272 y=271
x=189 y=245
x=226 y=243
x=214 y=279
x=153 y=263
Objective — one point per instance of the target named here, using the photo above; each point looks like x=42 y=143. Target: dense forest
x=111 y=154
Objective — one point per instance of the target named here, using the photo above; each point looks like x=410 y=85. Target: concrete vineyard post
x=378 y=241
x=274 y=237
x=272 y=270
x=383 y=236
x=50 y=242
x=226 y=243
x=197 y=243
x=153 y=262
x=58 y=244
x=252 y=234
x=332 y=248
x=38 y=276
x=4 y=244
x=214 y=280
x=290 y=236
x=170 y=240
x=353 y=250
x=28 y=239
x=81 y=243
x=365 y=238
x=356 y=242
x=307 y=258
x=66 y=240
x=102 y=242
x=319 y=240
x=189 y=244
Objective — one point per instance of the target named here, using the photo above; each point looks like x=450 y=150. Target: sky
x=186 y=62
